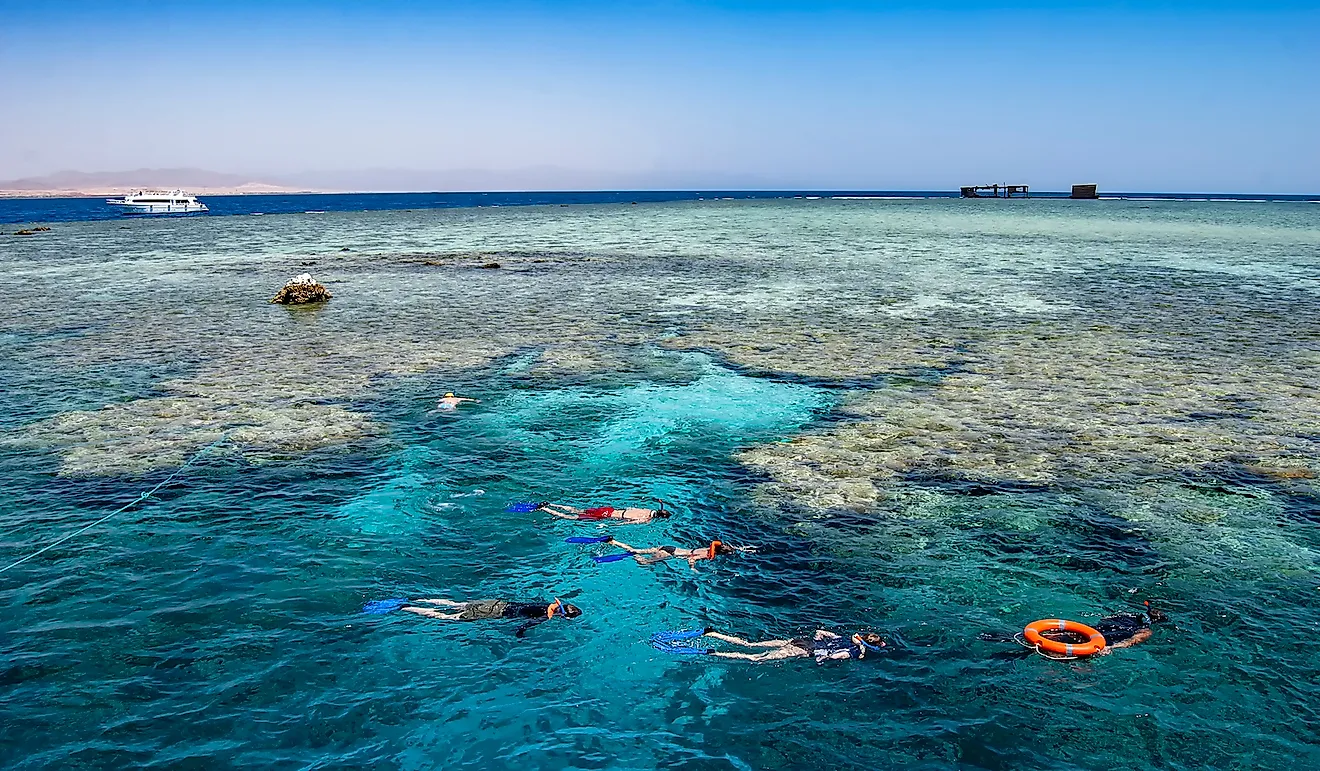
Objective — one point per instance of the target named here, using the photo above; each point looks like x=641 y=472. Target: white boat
x=159 y=202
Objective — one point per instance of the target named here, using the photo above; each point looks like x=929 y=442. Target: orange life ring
x=1095 y=641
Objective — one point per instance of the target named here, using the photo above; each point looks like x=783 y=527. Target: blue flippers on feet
x=679 y=650
x=522 y=507
x=679 y=636
x=381 y=607
x=610 y=558
x=589 y=539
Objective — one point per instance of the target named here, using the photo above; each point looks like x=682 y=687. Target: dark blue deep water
x=36 y=210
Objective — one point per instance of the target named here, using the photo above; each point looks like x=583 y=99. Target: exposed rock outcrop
x=302 y=290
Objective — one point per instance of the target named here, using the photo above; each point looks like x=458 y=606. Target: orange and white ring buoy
x=1095 y=641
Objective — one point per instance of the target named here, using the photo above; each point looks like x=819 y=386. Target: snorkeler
x=1121 y=630
x=658 y=554
x=606 y=513
x=481 y=610
x=823 y=646
x=451 y=402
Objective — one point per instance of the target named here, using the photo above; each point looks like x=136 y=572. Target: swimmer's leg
x=563 y=512
x=773 y=655
x=432 y=613
x=550 y=507
x=442 y=601
x=749 y=644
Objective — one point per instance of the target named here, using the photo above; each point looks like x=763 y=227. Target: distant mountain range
x=201 y=181
x=97 y=183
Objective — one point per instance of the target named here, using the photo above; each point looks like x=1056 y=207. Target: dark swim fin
x=589 y=539
x=610 y=558
x=524 y=507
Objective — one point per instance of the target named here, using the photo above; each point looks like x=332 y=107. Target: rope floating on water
x=123 y=508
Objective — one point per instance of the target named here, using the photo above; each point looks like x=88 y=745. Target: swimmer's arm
x=825 y=634
x=465 y=399
x=1140 y=637
x=522 y=630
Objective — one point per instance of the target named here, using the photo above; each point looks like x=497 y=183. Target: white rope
x=123 y=508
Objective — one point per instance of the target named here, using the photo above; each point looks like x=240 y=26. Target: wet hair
x=662 y=513
x=572 y=611
x=724 y=548
x=872 y=638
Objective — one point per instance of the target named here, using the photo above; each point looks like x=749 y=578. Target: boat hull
x=161 y=208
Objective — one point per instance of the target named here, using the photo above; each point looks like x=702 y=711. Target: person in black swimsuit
x=823 y=645
x=479 y=610
x=1121 y=630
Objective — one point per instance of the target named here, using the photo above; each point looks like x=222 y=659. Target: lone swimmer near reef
x=1121 y=630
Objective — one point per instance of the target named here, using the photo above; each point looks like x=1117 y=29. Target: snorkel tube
x=556 y=607
x=864 y=646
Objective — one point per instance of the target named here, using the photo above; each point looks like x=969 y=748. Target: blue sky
x=1174 y=96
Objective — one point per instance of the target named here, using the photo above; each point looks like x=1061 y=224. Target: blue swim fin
x=680 y=650
x=522 y=507
x=381 y=607
x=670 y=637
x=589 y=539
x=611 y=558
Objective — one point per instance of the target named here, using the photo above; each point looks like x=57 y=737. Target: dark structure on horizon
x=995 y=191
x=1084 y=191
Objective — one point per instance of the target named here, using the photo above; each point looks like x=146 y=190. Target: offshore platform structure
x=995 y=191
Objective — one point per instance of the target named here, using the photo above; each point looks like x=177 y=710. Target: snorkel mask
x=864 y=645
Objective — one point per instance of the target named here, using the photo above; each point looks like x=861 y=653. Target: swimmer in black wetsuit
x=1121 y=630
x=478 y=610
x=823 y=645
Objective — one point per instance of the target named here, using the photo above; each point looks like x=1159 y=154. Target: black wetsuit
x=824 y=648
x=1122 y=626
x=485 y=609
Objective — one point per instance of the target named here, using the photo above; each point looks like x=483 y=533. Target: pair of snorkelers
x=637 y=516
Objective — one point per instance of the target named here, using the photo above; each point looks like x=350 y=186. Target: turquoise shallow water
x=934 y=419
